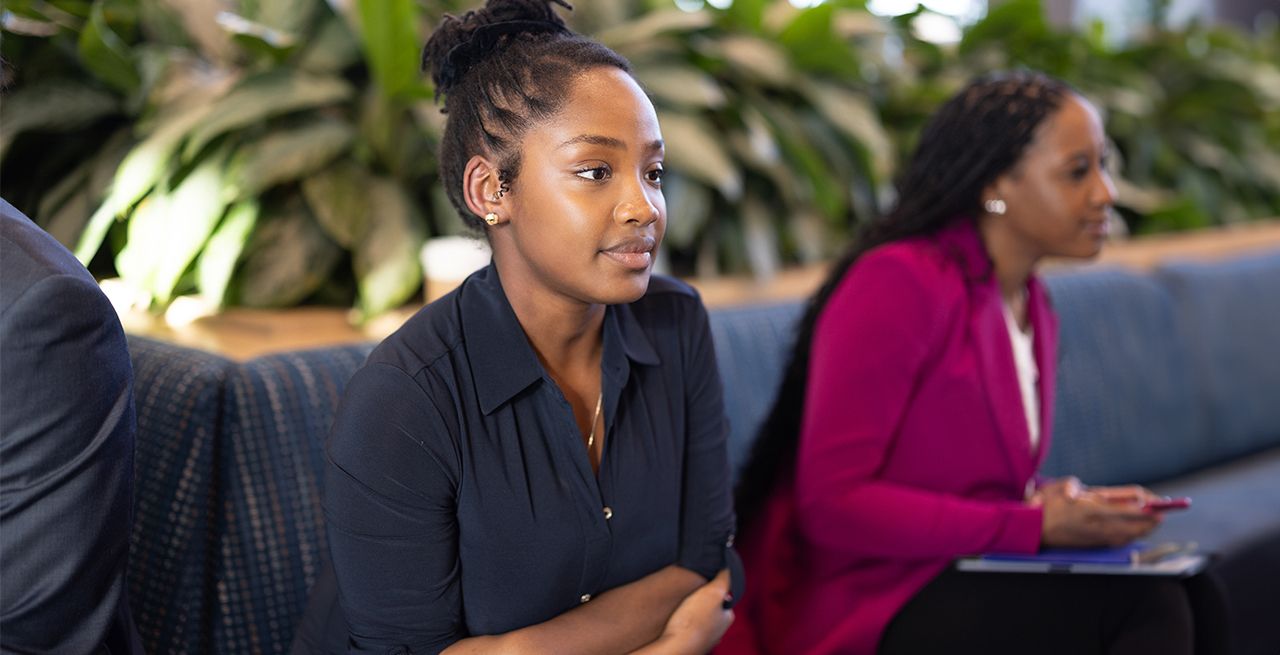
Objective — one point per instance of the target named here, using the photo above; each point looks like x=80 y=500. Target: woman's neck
x=565 y=334
x=1011 y=257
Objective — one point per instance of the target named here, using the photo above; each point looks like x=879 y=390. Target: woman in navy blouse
x=537 y=461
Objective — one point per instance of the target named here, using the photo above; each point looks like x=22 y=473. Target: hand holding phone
x=1166 y=504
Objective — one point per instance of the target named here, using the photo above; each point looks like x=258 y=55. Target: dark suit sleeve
x=66 y=467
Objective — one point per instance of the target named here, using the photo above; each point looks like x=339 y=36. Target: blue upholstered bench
x=1170 y=379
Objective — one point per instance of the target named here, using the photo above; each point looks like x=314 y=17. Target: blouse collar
x=502 y=360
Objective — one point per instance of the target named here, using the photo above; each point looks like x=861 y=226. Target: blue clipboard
x=1137 y=558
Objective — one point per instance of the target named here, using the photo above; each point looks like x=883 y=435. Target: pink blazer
x=914 y=449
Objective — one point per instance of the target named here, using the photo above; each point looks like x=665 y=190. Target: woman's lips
x=635 y=253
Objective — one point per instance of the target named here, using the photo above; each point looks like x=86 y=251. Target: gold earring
x=491 y=218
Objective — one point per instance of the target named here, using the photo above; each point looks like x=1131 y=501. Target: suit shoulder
x=28 y=255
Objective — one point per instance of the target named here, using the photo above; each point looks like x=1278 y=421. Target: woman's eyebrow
x=608 y=142
x=596 y=140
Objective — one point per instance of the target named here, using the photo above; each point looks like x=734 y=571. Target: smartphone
x=1166 y=504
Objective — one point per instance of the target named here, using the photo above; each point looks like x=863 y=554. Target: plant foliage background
x=274 y=152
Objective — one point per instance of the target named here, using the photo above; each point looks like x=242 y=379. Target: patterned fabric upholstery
x=752 y=346
x=1127 y=406
x=279 y=409
x=178 y=395
x=1231 y=311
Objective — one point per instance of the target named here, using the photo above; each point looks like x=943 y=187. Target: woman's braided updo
x=500 y=69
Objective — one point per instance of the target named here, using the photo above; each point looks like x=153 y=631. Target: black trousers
x=995 y=613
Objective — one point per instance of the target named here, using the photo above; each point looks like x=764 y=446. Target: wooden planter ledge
x=245 y=333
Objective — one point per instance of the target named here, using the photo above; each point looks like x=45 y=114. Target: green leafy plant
x=1193 y=112
x=269 y=153
x=774 y=141
x=260 y=156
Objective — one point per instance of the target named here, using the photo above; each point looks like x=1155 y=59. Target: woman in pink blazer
x=921 y=390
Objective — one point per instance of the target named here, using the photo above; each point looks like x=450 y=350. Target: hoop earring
x=491 y=218
x=995 y=206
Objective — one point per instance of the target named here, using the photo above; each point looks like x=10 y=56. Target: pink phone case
x=1166 y=504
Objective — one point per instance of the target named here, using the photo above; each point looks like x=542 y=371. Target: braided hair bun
x=461 y=42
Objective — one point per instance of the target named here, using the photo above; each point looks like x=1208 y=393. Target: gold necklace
x=591 y=440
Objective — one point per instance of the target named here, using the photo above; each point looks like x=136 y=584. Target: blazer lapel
x=1044 y=325
x=999 y=377
x=993 y=348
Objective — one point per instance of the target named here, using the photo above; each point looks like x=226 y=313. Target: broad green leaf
x=104 y=54
x=815 y=46
x=162 y=24
x=339 y=199
x=332 y=50
x=681 y=86
x=386 y=263
x=747 y=15
x=67 y=220
x=288 y=258
x=64 y=211
x=274 y=44
x=218 y=260
x=757 y=58
x=808 y=229
x=59 y=105
x=292 y=17
x=852 y=23
x=648 y=27
x=759 y=237
x=693 y=150
x=805 y=158
x=391 y=44
x=169 y=229
x=1266 y=167
x=287 y=155
x=1181 y=215
x=688 y=208
x=264 y=96
x=144 y=167
x=856 y=117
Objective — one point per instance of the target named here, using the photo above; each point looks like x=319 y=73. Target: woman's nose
x=637 y=208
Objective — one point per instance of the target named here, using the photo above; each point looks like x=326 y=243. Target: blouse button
x=608 y=512
x=729 y=542
x=585 y=598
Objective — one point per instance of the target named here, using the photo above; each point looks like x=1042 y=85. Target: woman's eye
x=1079 y=173
x=594 y=174
x=655 y=175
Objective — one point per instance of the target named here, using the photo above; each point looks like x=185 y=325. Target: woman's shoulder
x=921 y=265
x=431 y=334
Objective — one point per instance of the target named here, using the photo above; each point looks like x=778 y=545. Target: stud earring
x=491 y=218
x=995 y=206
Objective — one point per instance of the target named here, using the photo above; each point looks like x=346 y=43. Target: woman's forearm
x=620 y=620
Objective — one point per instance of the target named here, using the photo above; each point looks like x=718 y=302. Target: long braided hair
x=977 y=136
x=500 y=69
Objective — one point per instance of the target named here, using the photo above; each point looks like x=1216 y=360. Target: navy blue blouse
x=459 y=496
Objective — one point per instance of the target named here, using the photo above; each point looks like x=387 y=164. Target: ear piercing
x=995 y=206
x=491 y=218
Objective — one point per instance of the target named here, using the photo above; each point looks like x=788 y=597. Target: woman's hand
x=698 y=623
x=1077 y=516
